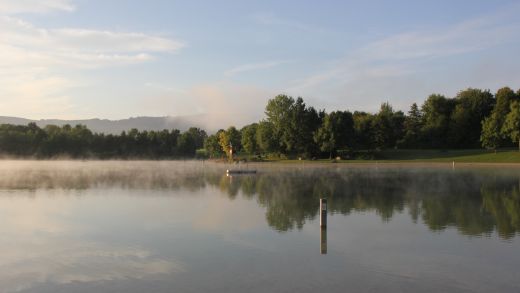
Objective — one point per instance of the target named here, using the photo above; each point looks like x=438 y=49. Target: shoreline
x=282 y=163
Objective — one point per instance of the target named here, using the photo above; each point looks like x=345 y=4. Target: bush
x=201 y=154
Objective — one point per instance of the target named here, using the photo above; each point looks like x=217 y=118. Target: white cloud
x=81 y=47
x=36 y=62
x=388 y=68
x=252 y=67
x=270 y=19
x=29 y=265
x=34 y=6
x=461 y=38
x=107 y=41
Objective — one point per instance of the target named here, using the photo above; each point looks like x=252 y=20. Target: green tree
x=212 y=145
x=235 y=138
x=298 y=135
x=198 y=135
x=412 y=126
x=363 y=130
x=335 y=132
x=325 y=136
x=492 y=135
x=293 y=124
x=80 y=140
x=437 y=110
x=387 y=127
x=512 y=124
x=225 y=145
x=230 y=140
x=265 y=138
x=278 y=115
x=248 y=139
x=472 y=106
x=186 y=145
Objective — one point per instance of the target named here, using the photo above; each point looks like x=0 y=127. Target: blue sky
x=225 y=59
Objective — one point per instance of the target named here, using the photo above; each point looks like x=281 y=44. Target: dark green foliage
x=363 y=138
x=248 y=139
x=493 y=133
x=293 y=125
x=212 y=146
x=278 y=116
x=472 y=106
x=336 y=132
x=437 y=110
x=511 y=126
x=80 y=142
x=413 y=124
x=265 y=139
x=387 y=127
x=190 y=141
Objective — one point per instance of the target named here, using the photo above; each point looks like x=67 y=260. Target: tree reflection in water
x=474 y=202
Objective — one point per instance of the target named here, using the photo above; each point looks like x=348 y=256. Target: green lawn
x=461 y=156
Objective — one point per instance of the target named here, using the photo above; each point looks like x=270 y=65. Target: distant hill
x=117 y=126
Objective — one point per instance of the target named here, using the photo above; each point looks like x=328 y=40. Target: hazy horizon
x=76 y=59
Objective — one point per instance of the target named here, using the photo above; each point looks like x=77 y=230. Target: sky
x=114 y=59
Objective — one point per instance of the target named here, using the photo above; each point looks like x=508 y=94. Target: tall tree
x=230 y=141
x=248 y=139
x=437 y=110
x=387 y=126
x=265 y=139
x=335 y=132
x=198 y=135
x=303 y=122
x=412 y=126
x=186 y=145
x=212 y=145
x=278 y=112
x=512 y=124
x=472 y=106
x=225 y=144
x=492 y=135
x=363 y=138
x=325 y=137
x=293 y=124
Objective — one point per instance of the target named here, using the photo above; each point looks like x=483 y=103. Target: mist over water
x=158 y=226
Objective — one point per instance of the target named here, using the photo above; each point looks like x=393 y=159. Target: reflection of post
x=323 y=212
x=323 y=240
x=323 y=225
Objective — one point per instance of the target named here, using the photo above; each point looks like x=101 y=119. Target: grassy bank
x=460 y=156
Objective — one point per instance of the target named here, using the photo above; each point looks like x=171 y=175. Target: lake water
x=187 y=227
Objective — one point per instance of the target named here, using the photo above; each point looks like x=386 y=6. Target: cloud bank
x=37 y=62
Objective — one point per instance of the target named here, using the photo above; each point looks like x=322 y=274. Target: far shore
x=387 y=158
x=286 y=163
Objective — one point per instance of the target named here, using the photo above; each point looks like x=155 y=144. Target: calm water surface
x=186 y=227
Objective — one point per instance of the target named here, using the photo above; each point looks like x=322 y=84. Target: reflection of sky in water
x=51 y=237
x=176 y=227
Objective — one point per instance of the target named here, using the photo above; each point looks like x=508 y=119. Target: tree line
x=474 y=118
x=80 y=142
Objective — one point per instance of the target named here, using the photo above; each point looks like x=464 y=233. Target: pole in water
x=453 y=165
x=323 y=212
x=323 y=240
